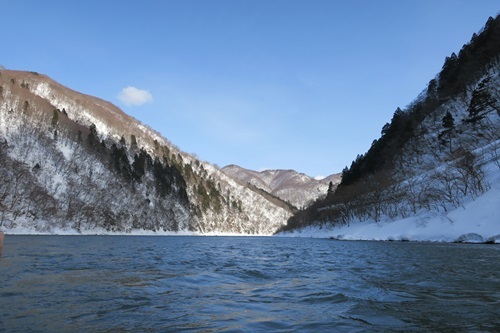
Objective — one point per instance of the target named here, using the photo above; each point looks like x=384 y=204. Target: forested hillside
x=433 y=154
x=70 y=161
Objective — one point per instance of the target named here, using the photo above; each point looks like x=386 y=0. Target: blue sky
x=304 y=85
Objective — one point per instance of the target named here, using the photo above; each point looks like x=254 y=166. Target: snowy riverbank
x=103 y=232
x=476 y=221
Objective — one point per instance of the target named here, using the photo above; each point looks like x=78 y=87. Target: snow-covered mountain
x=291 y=186
x=435 y=170
x=73 y=162
x=70 y=162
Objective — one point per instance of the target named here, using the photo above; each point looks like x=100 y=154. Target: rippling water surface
x=245 y=284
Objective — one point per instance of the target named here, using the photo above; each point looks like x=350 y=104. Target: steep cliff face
x=73 y=161
x=291 y=186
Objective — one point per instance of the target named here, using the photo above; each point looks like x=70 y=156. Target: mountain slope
x=296 y=188
x=436 y=155
x=73 y=161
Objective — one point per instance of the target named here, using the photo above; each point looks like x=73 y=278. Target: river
x=246 y=284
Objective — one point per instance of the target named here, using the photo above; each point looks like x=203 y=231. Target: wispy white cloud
x=132 y=96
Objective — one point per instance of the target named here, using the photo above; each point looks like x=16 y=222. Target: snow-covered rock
x=493 y=239
x=469 y=238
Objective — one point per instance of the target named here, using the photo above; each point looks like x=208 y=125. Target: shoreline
x=468 y=238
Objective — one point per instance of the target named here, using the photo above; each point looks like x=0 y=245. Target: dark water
x=213 y=284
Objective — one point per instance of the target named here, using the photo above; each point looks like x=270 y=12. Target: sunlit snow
x=480 y=216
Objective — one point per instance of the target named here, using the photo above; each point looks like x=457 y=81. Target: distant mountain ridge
x=289 y=185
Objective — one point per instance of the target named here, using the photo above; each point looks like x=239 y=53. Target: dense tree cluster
x=472 y=60
x=80 y=197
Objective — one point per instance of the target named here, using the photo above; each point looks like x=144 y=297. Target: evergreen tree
x=55 y=118
x=331 y=189
x=26 y=106
x=133 y=141
x=482 y=102
x=448 y=121
x=120 y=161
x=93 y=137
x=449 y=126
x=142 y=162
x=203 y=195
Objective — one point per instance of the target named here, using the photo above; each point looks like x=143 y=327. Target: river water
x=245 y=284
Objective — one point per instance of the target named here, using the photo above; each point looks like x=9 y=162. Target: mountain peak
x=291 y=186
